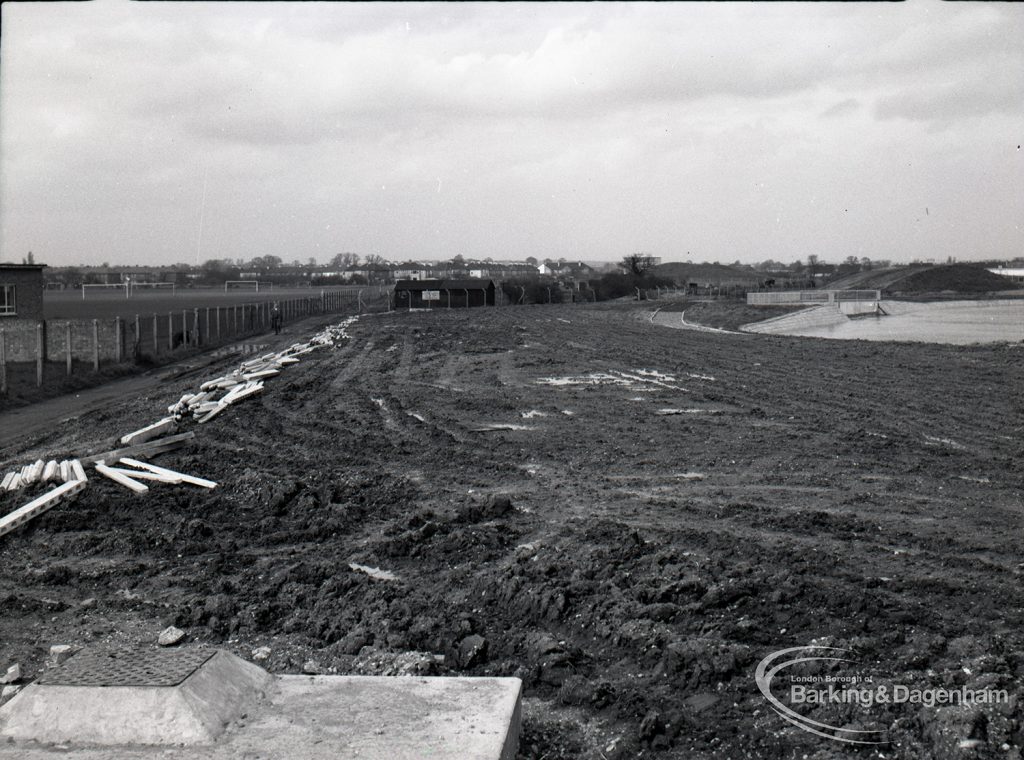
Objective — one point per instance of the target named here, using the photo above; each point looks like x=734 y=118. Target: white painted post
x=3 y=362
x=207 y=324
x=137 y=350
x=195 y=326
x=156 y=341
x=170 y=331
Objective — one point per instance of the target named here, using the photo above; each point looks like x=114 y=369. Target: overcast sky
x=159 y=133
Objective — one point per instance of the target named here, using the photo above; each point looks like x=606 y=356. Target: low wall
x=816 y=316
x=777 y=297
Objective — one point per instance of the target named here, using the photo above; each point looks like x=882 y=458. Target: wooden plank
x=212 y=413
x=124 y=480
x=261 y=374
x=76 y=469
x=229 y=397
x=7 y=479
x=209 y=385
x=37 y=506
x=149 y=432
x=143 y=475
x=164 y=471
x=50 y=471
x=244 y=394
x=15 y=483
x=149 y=447
x=201 y=398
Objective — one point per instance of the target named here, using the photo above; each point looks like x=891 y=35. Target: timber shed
x=443 y=294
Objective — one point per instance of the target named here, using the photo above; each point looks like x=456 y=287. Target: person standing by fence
x=275 y=318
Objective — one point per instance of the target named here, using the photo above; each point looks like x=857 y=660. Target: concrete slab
x=308 y=717
x=119 y=701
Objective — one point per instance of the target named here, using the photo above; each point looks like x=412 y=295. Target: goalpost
x=106 y=286
x=238 y=285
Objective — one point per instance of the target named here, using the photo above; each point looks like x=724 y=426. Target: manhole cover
x=128 y=668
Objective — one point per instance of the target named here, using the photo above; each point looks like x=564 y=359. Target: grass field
x=107 y=304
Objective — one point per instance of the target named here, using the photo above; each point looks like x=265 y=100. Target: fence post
x=156 y=340
x=67 y=345
x=207 y=324
x=118 y=340
x=170 y=331
x=3 y=362
x=184 y=328
x=137 y=349
x=40 y=353
x=195 y=327
x=96 y=345
x=217 y=322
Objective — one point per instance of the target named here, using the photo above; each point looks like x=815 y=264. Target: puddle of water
x=953 y=322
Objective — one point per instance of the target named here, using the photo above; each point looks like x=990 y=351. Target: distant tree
x=637 y=263
x=373 y=260
x=797 y=266
x=531 y=261
x=865 y=263
x=345 y=260
x=30 y=259
x=458 y=260
x=812 y=263
x=311 y=261
x=265 y=262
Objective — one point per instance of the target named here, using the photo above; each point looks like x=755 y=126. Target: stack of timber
x=126 y=466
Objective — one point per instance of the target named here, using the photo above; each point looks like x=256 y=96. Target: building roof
x=22 y=266
x=464 y=284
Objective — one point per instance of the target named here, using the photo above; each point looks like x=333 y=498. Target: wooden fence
x=78 y=346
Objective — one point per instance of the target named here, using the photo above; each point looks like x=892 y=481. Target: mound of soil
x=956 y=278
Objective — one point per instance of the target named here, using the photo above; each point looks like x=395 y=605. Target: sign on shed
x=431 y=295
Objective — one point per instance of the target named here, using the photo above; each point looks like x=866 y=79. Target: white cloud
x=733 y=130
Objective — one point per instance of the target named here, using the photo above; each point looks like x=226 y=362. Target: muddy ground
x=627 y=517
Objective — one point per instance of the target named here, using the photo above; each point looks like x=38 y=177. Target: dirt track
x=867 y=496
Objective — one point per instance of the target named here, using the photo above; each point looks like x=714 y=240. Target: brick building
x=21 y=292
